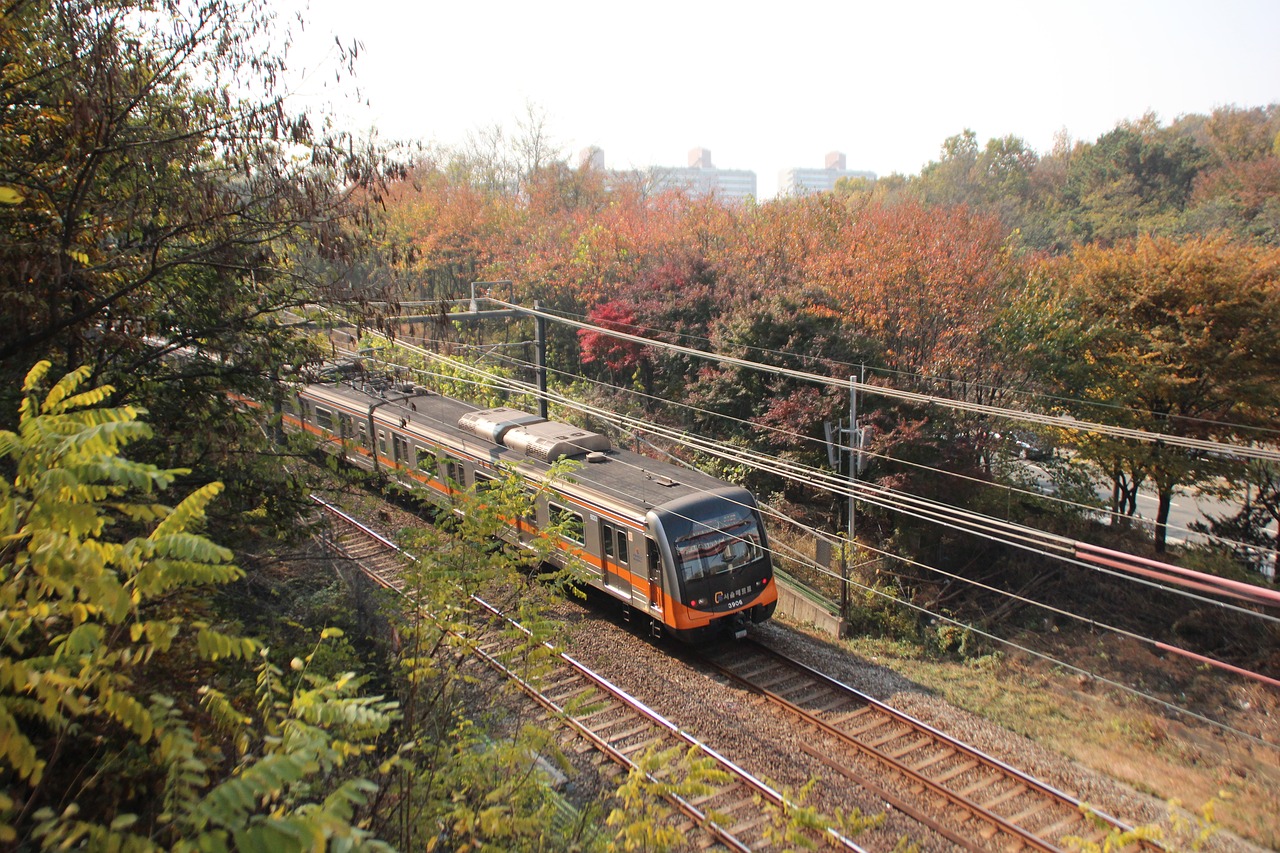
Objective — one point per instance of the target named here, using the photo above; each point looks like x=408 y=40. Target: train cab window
x=324 y=419
x=569 y=522
x=719 y=546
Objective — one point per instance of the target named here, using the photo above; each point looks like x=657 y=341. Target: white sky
x=770 y=86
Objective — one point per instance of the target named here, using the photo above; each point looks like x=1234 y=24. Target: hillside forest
x=165 y=218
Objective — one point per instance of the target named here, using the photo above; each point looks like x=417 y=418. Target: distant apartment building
x=802 y=181
x=700 y=177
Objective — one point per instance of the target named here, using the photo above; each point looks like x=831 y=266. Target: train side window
x=382 y=442
x=324 y=419
x=622 y=547
x=346 y=428
x=426 y=460
x=400 y=445
x=569 y=522
x=451 y=472
x=362 y=436
x=484 y=483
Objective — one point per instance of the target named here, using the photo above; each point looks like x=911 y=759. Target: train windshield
x=717 y=546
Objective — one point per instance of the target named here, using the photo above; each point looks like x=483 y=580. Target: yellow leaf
x=8 y=195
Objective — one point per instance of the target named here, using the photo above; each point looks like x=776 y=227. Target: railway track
x=971 y=799
x=736 y=813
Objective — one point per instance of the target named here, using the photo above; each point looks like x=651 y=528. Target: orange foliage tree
x=926 y=283
x=1171 y=336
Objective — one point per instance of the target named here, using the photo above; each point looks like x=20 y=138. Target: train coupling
x=738 y=624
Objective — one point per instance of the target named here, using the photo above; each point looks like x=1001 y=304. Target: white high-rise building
x=701 y=177
x=801 y=181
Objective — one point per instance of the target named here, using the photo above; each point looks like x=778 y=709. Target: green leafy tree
x=105 y=639
x=644 y=818
x=1136 y=179
x=467 y=784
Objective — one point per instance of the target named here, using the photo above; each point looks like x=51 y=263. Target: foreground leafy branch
x=103 y=737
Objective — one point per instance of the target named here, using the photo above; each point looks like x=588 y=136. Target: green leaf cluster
x=103 y=742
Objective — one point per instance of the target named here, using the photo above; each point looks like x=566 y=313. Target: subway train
x=676 y=546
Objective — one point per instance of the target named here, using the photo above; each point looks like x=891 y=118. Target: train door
x=653 y=559
x=614 y=557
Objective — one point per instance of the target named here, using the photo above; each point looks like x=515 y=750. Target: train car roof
x=618 y=475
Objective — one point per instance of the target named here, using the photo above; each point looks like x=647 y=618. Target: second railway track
x=971 y=799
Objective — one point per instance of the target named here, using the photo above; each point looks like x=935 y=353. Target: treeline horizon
x=1126 y=279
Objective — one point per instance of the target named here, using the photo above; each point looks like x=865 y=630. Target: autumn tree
x=1239 y=189
x=620 y=356
x=1167 y=336
x=925 y=283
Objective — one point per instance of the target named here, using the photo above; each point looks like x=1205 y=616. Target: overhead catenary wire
x=1002 y=531
x=925 y=378
x=515 y=385
x=1261 y=452
x=1063 y=548
x=1009 y=489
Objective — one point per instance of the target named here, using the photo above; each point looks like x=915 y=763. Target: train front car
x=718 y=567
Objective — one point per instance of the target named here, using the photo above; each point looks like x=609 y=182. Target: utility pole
x=853 y=476
x=854 y=447
x=540 y=348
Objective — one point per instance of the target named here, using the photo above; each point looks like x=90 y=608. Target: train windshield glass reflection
x=719 y=546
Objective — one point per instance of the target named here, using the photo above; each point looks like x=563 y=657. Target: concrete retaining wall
x=797 y=607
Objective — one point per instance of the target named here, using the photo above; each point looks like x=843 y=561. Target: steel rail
x=751 y=786
x=980 y=759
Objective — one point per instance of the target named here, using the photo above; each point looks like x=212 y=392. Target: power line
x=1040 y=542
x=926 y=378
x=791 y=434
x=1056 y=421
x=520 y=387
